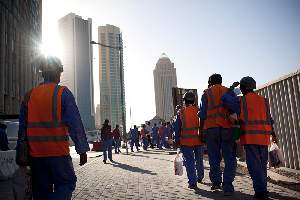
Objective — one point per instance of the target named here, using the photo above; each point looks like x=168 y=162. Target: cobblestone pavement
x=150 y=175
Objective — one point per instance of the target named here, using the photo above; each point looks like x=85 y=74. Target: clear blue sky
x=260 y=38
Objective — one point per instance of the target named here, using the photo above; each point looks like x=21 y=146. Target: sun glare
x=51 y=40
x=51 y=48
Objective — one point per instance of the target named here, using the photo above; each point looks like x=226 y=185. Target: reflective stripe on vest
x=189 y=135
x=255 y=131
x=52 y=124
x=255 y=122
x=184 y=136
x=216 y=114
x=47 y=134
x=48 y=138
x=184 y=128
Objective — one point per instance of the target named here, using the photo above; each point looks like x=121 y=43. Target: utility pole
x=122 y=89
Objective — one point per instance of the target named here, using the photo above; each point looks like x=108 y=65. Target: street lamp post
x=120 y=49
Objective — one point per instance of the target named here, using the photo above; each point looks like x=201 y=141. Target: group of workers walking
x=49 y=115
x=155 y=137
x=221 y=110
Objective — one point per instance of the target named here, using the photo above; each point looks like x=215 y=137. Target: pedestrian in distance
x=188 y=138
x=144 y=134
x=149 y=133
x=48 y=116
x=161 y=135
x=154 y=135
x=117 y=139
x=216 y=125
x=169 y=135
x=256 y=129
x=107 y=140
x=134 y=135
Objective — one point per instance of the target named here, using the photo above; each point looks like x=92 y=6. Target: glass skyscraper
x=109 y=75
x=77 y=55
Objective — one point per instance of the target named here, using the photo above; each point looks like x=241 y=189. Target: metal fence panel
x=284 y=98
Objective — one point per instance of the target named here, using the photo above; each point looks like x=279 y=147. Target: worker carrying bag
x=275 y=156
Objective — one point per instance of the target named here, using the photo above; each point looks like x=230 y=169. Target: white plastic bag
x=275 y=156
x=273 y=147
x=178 y=165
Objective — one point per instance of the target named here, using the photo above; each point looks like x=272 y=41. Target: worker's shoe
x=261 y=195
x=193 y=186
x=216 y=187
x=104 y=161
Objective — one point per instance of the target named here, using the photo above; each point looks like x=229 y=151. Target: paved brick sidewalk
x=149 y=175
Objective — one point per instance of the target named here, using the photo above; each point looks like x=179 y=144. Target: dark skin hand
x=235 y=84
x=83 y=159
x=274 y=138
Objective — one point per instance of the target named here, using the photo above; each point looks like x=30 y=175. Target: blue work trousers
x=107 y=149
x=117 y=145
x=134 y=142
x=145 y=143
x=53 y=178
x=193 y=161
x=221 y=140
x=256 y=159
x=154 y=139
x=160 y=142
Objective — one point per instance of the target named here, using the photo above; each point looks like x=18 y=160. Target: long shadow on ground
x=131 y=168
x=219 y=195
x=279 y=196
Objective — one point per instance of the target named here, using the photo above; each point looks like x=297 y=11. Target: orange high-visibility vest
x=217 y=115
x=189 y=135
x=255 y=120
x=46 y=133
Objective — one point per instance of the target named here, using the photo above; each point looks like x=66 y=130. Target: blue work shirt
x=229 y=100
x=154 y=131
x=70 y=117
x=134 y=134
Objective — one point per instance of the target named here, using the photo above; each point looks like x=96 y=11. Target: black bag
x=22 y=150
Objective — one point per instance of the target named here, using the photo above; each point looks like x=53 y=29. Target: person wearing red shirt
x=117 y=139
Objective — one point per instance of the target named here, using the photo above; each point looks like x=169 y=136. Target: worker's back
x=46 y=133
x=216 y=113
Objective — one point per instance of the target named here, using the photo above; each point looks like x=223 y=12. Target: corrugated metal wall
x=284 y=99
